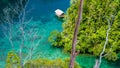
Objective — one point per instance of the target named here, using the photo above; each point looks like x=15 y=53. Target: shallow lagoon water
x=44 y=21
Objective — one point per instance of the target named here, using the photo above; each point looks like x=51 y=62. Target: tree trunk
x=73 y=50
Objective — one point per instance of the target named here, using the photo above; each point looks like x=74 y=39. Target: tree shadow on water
x=59 y=19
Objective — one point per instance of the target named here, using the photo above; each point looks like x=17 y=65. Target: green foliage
x=45 y=63
x=13 y=61
x=112 y=55
x=54 y=38
x=73 y=1
x=92 y=30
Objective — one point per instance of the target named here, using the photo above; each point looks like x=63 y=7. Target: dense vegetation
x=45 y=63
x=92 y=30
x=13 y=61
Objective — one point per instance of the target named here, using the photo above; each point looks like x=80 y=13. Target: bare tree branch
x=22 y=24
x=98 y=62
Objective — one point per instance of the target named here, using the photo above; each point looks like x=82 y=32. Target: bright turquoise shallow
x=44 y=21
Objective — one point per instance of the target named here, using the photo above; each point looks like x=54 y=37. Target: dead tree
x=8 y=19
x=74 y=41
x=20 y=10
x=102 y=54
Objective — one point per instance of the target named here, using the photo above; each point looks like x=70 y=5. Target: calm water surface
x=38 y=29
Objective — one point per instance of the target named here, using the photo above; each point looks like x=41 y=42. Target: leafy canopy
x=92 y=30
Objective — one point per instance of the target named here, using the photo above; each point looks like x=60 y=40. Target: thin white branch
x=98 y=62
x=24 y=37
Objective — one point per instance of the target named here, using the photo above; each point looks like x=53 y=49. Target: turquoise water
x=38 y=29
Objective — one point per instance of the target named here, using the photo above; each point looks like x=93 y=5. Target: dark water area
x=45 y=8
x=5 y=3
x=9 y=6
x=43 y=21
